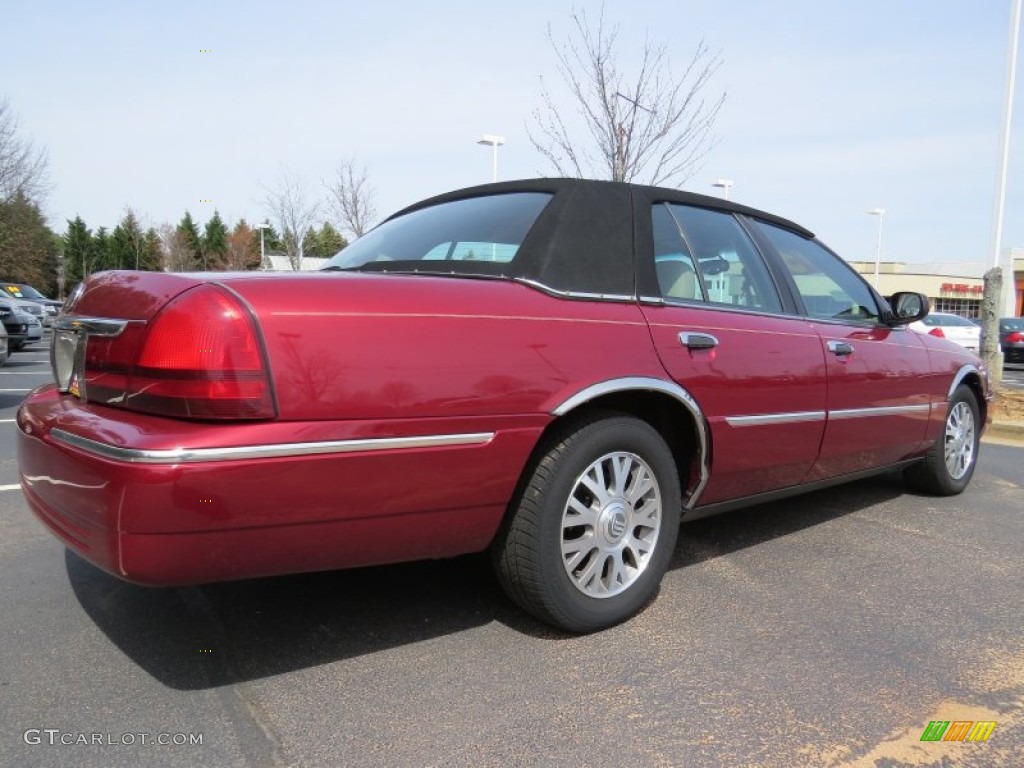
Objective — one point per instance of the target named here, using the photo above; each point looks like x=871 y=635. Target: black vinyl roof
x=595 y=187
x=584 y=240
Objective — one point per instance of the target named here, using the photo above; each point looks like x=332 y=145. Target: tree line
x=183 y=247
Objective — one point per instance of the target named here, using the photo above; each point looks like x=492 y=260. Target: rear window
x=475 y=235
x=1011 y=325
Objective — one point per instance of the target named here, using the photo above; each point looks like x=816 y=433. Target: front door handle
x=840 y=348
x=692 y=340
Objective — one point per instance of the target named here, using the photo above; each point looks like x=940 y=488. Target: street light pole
x=263 y=258
x=880 y=213
x=495 y=142
x=1004 y=155
x=725 y=185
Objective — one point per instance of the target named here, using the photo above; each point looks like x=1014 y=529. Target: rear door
x=878 y=377
x=726 y=335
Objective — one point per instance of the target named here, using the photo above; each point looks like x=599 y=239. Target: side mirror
x=907 y=307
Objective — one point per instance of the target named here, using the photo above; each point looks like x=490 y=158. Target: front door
x=878 y=410
x=721 y=332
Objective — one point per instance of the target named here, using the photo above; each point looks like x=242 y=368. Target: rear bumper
x=144 y=506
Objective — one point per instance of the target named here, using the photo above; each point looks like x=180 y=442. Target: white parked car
x=957 y=329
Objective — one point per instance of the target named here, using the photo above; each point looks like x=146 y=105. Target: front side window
x=728 y=266
x=830 y=289
x=457 y=236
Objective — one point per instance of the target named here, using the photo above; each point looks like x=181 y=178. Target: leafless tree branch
x=654 y=126
x=295 y=214
x=353 y=198
x=24 y=169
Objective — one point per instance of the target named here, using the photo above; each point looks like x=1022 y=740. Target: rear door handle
x=693 y=340
x=840 y=348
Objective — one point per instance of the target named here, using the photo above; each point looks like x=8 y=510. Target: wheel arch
x=973 y=378
x=665 y=405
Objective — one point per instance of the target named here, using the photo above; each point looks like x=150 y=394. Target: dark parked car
x=1011 y=339
x=554 y=370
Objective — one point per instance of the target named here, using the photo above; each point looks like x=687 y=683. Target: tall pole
x=263 y=256
x=495 y=142
x=1004 y=156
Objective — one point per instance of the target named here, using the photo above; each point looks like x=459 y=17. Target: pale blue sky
x=833 y=107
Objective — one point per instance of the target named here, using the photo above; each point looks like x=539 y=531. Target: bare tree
x=295 y=214
x=353 y=199
x=24 y=169
x=652 y=126
x=178 y=253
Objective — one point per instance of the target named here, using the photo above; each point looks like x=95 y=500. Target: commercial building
x=955 y=287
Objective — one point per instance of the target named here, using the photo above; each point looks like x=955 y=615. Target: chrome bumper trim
x=244 y=452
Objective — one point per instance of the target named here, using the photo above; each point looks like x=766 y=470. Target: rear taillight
x=1016 y=337
x=937 y=332
x=200 y=357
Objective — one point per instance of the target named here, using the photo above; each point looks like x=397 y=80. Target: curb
x=1005 y=430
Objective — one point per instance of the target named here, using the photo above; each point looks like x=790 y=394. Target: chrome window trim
x=279 y=450
x=718 y=307
x=635 y=383
x=888 y=410
x=774 y=418
x=619 y=297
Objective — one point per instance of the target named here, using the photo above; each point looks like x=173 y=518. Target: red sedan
x=554 y=370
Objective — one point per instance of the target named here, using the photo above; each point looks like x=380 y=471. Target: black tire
x=16 y=346
x=624 y=539
x=948 y=466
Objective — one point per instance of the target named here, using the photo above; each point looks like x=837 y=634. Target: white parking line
x=15 y=390
x=7 y=421
x=24 y=373
x=15 y=487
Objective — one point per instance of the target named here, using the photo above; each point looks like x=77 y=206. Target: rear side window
x=727 y=267
x=830 y=289
x=462 y=235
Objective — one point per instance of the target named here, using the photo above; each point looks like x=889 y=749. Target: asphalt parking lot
x=827 y=630
x=1013 y=376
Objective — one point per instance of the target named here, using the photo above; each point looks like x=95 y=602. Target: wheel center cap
x=614 y=522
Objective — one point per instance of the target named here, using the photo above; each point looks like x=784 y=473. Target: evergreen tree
x=151 y=256
x=100 y=251
x=324 y=242
x=120 y=254
x=215 y=242
x=78 y=253
x=192 y=241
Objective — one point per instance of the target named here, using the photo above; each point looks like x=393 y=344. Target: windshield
x=23 y=292
x=468 y=236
